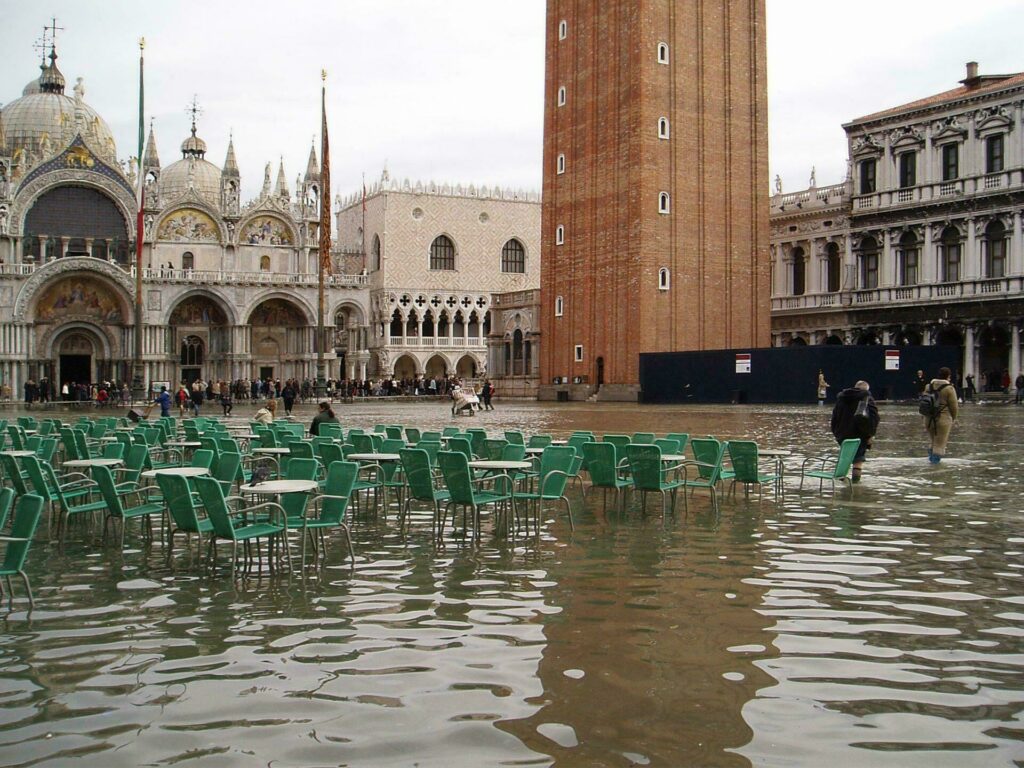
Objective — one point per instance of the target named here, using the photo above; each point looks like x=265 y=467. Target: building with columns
x=922 y=243
x=452 y=276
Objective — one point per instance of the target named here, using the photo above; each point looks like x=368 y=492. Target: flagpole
x=138 y=383
x=323 y=262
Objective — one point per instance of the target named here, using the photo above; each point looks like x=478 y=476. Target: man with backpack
x=939 y=406
x=855 y=417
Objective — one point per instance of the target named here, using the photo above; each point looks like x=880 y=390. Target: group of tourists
x=855 y=417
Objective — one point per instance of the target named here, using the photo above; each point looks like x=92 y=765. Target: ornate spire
x=193 y=146
x=266 y=182
x=51 y=80
x=282 y=183
x=312 y=167
x=230 y=164
x=151 y=159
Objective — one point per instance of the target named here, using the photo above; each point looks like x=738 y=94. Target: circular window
x=484 y=218
x=417 y=213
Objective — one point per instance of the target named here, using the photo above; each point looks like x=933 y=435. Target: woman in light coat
x=940 y=426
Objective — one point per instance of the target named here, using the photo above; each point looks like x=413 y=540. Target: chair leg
x=28 y=589
x=348 y=543
x=568 y=511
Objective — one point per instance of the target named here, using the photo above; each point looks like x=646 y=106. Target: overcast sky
x=452 y=90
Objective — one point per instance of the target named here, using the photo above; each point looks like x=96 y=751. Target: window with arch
x=799 y=272
x=561 y=96
x=951 y=247
x=868 y=263
x=264 y=263
x=188 y=260
x=909 y=259
x=375 y=252
x=995 y=250
x=191 y=351
x=663 y=53
x=559 y=306
x=563 y=29
x=560 y=164
x=834 y=265
x=513 y=257
x=442 y=253
x=663 y=202
x=559 y=235
x=663 y=128
x=664 y=279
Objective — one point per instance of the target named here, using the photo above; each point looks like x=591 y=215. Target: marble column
x=1014 y=350
x=970 y=266
x=969 y=352
x=64 y=246
x=42 y=248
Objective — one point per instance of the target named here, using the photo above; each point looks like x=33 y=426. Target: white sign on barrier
x=892 y=359
x=743 y=362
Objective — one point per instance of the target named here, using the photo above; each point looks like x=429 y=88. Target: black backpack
x=928 y=404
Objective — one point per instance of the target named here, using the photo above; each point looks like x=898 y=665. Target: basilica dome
x=193 y=170
x=44 y=120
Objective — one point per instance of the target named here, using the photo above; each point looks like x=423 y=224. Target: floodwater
x=879 y=630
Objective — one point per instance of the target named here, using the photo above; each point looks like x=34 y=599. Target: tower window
x=563 y=29
x=561 y=95
x=559 y=235
x=663 y=202
x=663 y=53
x=662 y=127
x=559 y=306
x=664 y=279
x=578 y=353
x=560 y=164
x=188 y=260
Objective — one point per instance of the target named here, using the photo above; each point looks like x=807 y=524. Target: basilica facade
x=230 y=288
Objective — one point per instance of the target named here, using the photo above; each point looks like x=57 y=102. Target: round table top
x=272 y=451
x=108 y=439
x=673 y=457
x=19 y=454
x=534 y=450
x=489 y=464
x=183 y=443
x=559 y=442
x=774 y=453
x=275 y=487
x=178 y=471
x=78 y=463
x=374 y=456
x=245 y=435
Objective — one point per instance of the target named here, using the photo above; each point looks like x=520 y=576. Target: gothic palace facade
x=922 y=244
x=230 y=289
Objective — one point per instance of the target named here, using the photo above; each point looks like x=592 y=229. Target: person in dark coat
x=846 y=425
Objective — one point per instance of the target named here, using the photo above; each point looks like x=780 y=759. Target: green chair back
x=461 y=445
x=539 y=441
x=113 y=451
x=212 y=496
x=683 y=438
x=743 y=458
x=6 y=502
x=556 y=465
x=432 y=447
x=619 y=441
x=134 y=463
x=180 y=502
x=645 y=466
x=412 y=435
x=709 y=453
x=602 y=462
x=202 y=458
x=226 y=470
x=515 y=437
x=331 y=430
x=300 y=449
x=26 y=519
x=47 y=447
x=449 y=431
x=513 y=452
x=667 y=445
x=341 y=479
x=493 y=447
x=477 y=441
x=643 y=438
x=418 y=475
x=432 y=436
x=13 y=474
x=455 y=470
x=362 y=443
x=330 y=453
x=16 y=435
x=847 y=452
x=393 y=432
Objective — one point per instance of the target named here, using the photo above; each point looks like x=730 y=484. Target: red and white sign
x=743 y=362
x=892 y=359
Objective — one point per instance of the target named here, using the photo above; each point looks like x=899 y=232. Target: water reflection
x=879 y=630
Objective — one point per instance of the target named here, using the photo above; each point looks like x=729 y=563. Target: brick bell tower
x=654 y=230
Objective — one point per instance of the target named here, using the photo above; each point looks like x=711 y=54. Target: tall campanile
x=655 y=214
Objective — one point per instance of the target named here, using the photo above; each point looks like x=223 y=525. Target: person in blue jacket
x=164 y=400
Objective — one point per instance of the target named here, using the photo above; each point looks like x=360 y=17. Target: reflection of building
x=922 y=244
x=655 y=226
x=441 y=261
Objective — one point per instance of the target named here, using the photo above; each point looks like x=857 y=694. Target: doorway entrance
x=266 y=372
x=600 y=372
x=188 y=375
x=76 y=368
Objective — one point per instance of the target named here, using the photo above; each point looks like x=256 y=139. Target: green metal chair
x=202 y=457
x=14 y=474
x=134 y=464
x=464 y=492
x=70 y=501
x=515 y=437
x=74 y=485
x=708 y=455
x=412 y=435
x=538 y=441
x=118 y=506
x=47 y=448
x=746 y=470
x=667 y=445
x=227 y=469
x=6 y=502
x=112 y=451
x=552 y=478
x=649 y=474
x=330 y=508
x=603 y=464
x=619 y=441
x=493 y=446
x=418 y=470
x=833 y=467
x=23 y=529
x=431 y=435
x=184 y=512
x=683 y=438
x=643 y=438
x=333 y=431
x=224 y=527
x=393 y=431
x=450 y=431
